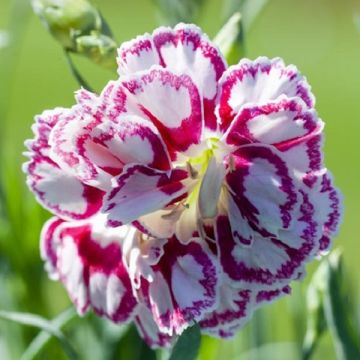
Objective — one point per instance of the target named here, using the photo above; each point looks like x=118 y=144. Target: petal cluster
x=187 y=190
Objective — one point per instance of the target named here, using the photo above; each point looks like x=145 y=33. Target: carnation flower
x=187 y=190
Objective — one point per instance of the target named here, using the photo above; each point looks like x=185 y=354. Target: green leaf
x=175 y=11
x=44 y=337
x=271 y=351
x=230 y=39
x=250 y=10
x=316 y=324
x=336 y=311
x=187 y=345
x=42 y=323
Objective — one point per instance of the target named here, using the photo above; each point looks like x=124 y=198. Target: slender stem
x=74 y=71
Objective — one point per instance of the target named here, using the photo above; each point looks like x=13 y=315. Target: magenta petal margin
x=186 y=191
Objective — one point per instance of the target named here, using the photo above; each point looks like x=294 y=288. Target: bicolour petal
x=304 y=157
x=140 y=253
x=235 y=308
x=182 y=50
x=140 y=190
x=328 y=210
x=56 y=189
x=280 y=123
x=130 y=140
x=137 y=55
x=60 y=192
x=259 y=82
x=183 y=286
x=172 y=102
x=94 y=144
x=270 y=262
x=41 y=129
x=89 y=263
x=48 y=246
x=268 y=296
x=262 y=188
x=73 y=149
x=149 y=330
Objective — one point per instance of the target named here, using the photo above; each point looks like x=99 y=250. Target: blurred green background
x=321 y=37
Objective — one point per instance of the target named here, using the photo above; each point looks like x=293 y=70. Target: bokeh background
x=322 y=37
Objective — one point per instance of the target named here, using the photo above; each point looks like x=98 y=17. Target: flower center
x=198 y=166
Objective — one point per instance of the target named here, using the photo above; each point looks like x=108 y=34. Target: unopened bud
x=99 y=48
x=79 y=28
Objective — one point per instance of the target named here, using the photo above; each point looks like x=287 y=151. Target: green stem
x=74 y=71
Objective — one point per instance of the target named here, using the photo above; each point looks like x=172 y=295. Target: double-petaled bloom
x=186 y=191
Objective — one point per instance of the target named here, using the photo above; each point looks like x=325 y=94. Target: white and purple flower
x=187 y=190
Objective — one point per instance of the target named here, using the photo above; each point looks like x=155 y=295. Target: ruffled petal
x=259 y=82
x=130 y=140
x=74 y=151
x=136 y=55
x=234 y=310
x=328 y=210
x=183 y=285
x=149 y=330
x=96 y=146
x=269 y=262
x=56 y=189
x=268 y=296
x=281 y=123
x=48 y=246
x=172 y=102
x=304 y=157
x=89 y=263
x=141 y=190
x=262 y=187
x=182 y=50
x=60 y=192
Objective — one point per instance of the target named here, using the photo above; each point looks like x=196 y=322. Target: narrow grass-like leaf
x=271 y=351
x=337 y=316
x=38 y=344
x=316 y=324
x=230 y=39
x=187 y=345
x=41 y=323
x=175 y=11
x=250 y=10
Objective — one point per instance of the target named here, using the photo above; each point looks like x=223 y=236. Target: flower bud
x=78 y=27
x=100 y=48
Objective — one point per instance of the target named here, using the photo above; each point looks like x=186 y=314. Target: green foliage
x=347 y=343
x=41 y=323
x=249 y=9
x=230 y=39
x=187 y=345
x=175 y=11
x=327 y=309
x=40 y=341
